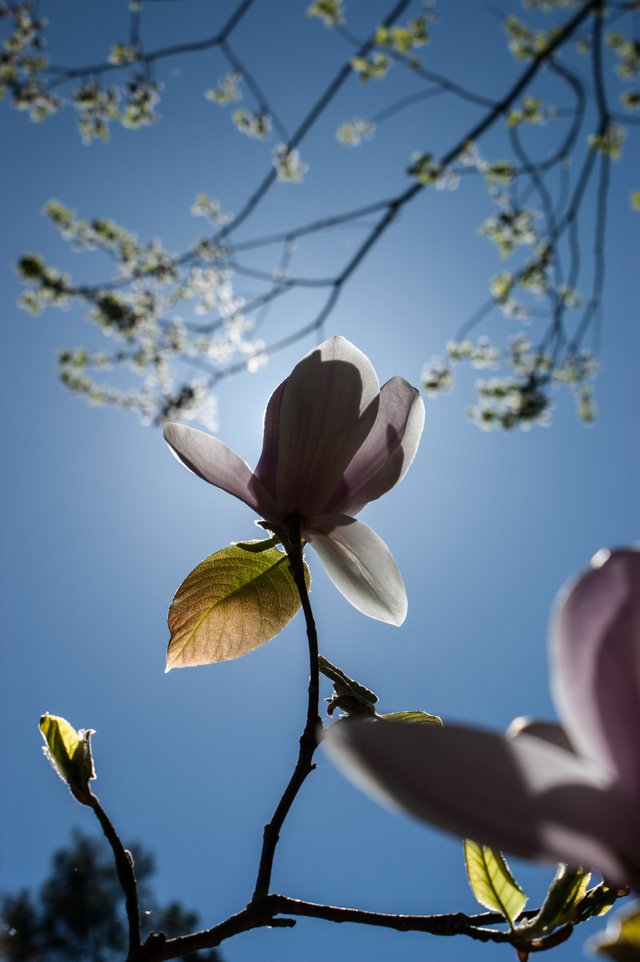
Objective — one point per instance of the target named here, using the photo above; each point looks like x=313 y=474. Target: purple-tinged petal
x=386 y=454
x=595 y=670
x=267 y=467
x=520 y=795
x=328 y=406
x=360 y=565
x=213 y=461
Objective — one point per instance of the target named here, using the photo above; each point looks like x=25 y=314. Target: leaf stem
x=308 y=740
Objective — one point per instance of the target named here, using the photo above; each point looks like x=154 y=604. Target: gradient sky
x=101 y=524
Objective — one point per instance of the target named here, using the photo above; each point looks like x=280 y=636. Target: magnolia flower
x=557 y=794
x=333 y=441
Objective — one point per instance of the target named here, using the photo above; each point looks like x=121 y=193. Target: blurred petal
x=520 y=795
x=388 y=450
x=360 y=565
x=328 y=406
x=595 y=654
x=213 y=461
x=550 y=732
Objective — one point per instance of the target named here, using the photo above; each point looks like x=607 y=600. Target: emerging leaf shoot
x=349 y=695
x=69 y=752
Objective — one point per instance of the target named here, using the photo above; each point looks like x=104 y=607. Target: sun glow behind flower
x=333 y=441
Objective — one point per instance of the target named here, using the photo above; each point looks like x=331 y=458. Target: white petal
x=520 y=795
x=386 y=454
x=213 y=461
x=360 y=565
x=327 y=409
x=595 y=668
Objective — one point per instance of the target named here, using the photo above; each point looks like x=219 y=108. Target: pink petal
x=328 y=406
x=213 y=461
x=389 y=449
x=267 y=468
x=595 y=668
x=360 y=565
x=519 y=795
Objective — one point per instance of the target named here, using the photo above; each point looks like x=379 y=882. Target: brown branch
x=265 y=912
x=446 y=925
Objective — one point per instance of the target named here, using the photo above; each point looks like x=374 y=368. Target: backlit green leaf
x=598 y=901
x=567 y=889
x=233 y=602
x=412 y=717
x=69 y=752
x=491 y=881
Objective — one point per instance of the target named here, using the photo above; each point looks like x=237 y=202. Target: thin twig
x=303 y=129
x=308 y=739
x=126 y=876
x=70 y=73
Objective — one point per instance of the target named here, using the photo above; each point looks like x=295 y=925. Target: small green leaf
x=598 y=901
x=69 y=752
x=258 y=546
x=233 y=602
x=491 y=881
x=412 y=717
x=340 y=679
x=566 y=891
x=621 y=939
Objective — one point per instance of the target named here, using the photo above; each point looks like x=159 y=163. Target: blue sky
x=101 y=524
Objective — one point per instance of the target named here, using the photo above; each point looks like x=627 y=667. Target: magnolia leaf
x=491 y=881
x=233 y=602
x=566 y=891
x=412 y=717
x=69 y=752
x=621 y=939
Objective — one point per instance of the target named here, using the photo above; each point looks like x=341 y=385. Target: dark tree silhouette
x=78 y=912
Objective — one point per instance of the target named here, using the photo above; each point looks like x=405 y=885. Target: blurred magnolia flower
x=333 y=441
x=544 y=792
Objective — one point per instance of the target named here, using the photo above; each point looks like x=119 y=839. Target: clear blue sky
x=101 y=524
